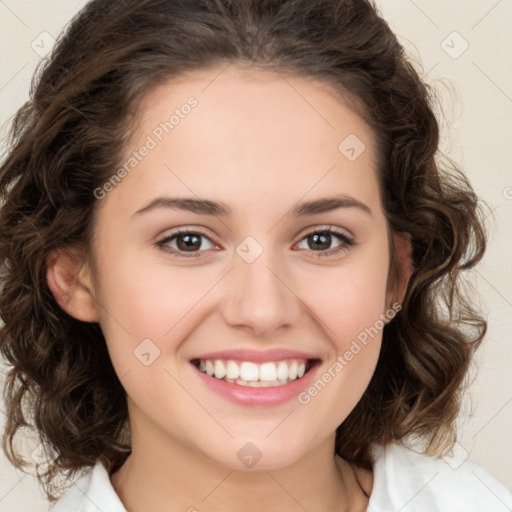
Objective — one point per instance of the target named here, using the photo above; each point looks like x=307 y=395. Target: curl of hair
x=70 y=137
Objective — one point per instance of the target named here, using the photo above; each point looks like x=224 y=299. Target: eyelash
x=345 y=242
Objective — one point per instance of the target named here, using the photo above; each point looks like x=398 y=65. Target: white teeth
x=268 y=372
x=282 y=371
x=209 y=368
x=292 y=370
x=261 y=384
x=247 y=373
x=232 y=370
x=220 y=369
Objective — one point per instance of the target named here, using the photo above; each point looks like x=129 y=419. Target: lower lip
x=247 y=395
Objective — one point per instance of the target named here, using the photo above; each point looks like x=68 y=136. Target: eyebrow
x=207 y=207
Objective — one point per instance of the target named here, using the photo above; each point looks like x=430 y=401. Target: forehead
x=238 y=101
x=251 y=127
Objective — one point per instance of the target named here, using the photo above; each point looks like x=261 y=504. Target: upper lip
x=256 y=356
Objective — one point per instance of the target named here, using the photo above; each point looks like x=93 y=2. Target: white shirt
x=403 y=481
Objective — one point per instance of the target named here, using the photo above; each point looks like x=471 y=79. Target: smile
x=248 y=373
x=251 y=377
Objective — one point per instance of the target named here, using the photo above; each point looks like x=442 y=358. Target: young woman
x=231 y=266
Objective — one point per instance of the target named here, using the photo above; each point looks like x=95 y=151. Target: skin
x=260 y=144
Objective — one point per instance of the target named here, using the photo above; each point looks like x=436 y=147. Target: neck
x=163 y=474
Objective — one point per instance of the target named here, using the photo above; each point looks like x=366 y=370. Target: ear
x=69 y=278
x=402 y=268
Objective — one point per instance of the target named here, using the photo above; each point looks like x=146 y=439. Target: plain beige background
x=463 y=48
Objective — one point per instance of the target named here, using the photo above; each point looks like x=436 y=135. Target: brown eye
x=186 y=242
x=325 y=242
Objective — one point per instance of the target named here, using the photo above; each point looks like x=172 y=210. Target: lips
x=256 y=356
x=247 y=373
x=248 y=376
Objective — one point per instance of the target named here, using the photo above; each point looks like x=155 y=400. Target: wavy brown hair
x=70 y=136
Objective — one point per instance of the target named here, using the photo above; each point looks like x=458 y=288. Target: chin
x=257 y=454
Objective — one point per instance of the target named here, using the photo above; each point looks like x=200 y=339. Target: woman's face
x=280 y=266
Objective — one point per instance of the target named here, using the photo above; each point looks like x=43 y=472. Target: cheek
x=348 y=299
x=350 y=303
x=351 y=307
x=148 y=301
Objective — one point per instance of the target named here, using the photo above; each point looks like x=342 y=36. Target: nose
x=258 y=297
